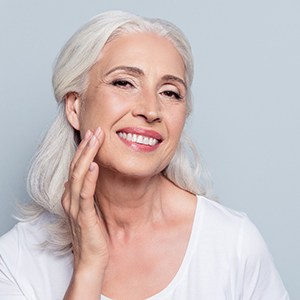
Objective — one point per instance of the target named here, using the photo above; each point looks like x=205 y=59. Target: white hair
x=50 y=167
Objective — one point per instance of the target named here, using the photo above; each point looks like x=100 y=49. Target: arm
x=89 y=233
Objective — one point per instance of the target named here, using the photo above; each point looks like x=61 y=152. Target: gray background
x=246 y=120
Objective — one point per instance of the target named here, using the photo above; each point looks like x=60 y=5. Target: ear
x=72 y=109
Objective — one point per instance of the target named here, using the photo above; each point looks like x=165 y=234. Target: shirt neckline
x=196 y=227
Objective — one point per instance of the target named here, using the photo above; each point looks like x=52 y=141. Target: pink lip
x=142 y=131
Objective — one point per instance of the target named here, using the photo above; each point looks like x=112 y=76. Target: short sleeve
x=260 y=279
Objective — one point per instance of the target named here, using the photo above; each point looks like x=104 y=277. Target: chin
x=134 y=166
x=133 y=170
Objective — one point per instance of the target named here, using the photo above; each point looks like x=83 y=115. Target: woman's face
x=137 y=95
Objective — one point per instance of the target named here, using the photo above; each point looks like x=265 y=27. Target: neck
x=127 y=204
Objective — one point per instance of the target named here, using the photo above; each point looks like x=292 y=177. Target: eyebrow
x=174 y=78
x=129 y=69
x=139 y=72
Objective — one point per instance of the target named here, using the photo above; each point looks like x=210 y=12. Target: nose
x=148 y=107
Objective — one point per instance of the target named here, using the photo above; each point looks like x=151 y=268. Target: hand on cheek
x=89 y=236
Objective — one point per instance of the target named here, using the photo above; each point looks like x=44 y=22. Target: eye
x=172 y=95
x=122 y=83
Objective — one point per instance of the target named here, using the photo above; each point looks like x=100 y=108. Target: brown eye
x=172 y=95
x=122 y=83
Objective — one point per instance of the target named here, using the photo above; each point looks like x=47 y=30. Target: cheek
x=102 y=110
x=176 y=121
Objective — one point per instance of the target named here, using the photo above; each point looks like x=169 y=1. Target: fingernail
x=92 y=141
x=87 y=135
x=91 y=167
x=98 y=131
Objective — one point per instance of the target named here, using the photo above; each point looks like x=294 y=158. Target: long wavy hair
x=50 y=166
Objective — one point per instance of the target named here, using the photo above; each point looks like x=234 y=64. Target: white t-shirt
x=226 y=258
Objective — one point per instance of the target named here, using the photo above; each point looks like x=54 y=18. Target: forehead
x=145 y=50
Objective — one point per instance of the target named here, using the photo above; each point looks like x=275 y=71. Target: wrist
x=86 y=283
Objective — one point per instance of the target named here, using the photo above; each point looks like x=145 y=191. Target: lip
x=141 y=131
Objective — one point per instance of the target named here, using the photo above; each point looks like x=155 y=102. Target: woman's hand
x=89 y=235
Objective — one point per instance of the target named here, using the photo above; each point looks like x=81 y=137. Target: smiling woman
x=135 y=89
x=117 y=210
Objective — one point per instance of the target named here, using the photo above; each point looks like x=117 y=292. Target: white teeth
x=138 y=138
x=146 y=141
x=153 y=142
x=128 y=137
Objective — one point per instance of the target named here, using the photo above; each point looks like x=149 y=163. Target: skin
x=132 y=244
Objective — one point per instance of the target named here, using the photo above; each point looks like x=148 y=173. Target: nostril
x=149 y=116
x=148 y=107
x=153 y=118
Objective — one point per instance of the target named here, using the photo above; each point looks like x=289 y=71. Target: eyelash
x=172 y=94
x=123 y=83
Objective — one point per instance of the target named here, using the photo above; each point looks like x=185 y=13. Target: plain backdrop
x=246 y=119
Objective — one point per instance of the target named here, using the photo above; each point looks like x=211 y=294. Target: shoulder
x=229 y=232
x=27 y=266
x=231 y=226
x=29 y=233
x=227 y=221
x=24 y=242
x=217 y=209
x=234 y=242
x=217 y=217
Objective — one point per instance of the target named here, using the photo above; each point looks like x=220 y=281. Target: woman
x=116 y=208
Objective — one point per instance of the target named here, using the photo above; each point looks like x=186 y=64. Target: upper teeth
x=140 y=139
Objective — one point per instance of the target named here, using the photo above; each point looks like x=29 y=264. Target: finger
x=65 y=199
x=66 y=203
x=85 y=159
x=83 y=144
x=80 y=170
x=80 y=148
x=88 y=190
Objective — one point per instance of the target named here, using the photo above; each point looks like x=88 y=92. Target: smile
x=137 y=138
